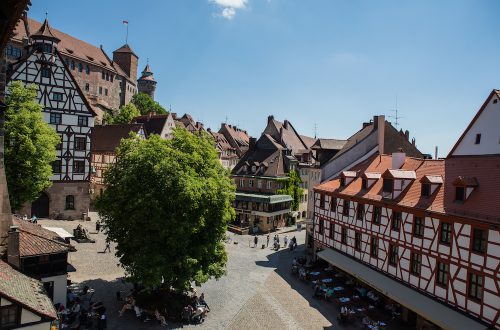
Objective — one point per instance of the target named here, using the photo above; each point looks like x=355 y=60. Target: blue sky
x=328 y=63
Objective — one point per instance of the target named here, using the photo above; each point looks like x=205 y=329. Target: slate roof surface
x=410 y=197
x=329 y=144
x=107 y=138
x=239 y=136
x=25 y=291
x=35 y=240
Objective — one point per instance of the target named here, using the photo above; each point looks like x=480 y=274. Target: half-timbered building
x=67 y=110
x=423 y=233
x=105 y=140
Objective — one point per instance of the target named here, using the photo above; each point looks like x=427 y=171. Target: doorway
x=40 y=207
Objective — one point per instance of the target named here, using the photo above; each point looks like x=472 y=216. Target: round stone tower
x=147 y=83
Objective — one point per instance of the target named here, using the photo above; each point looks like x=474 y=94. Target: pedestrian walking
x=108 y=247
x=267 y=244
x=255 y=241
x=286 y=241
x=97 y=226
x=34 y=219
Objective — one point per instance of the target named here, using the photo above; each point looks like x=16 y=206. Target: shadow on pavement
x=282 y=261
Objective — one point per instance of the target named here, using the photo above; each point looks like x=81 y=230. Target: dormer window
x=388 y=186
x=395 y=182
x=464 y=186
x=347 y=177
x=460 y=194
x=368 y=179
x=426 y=189
x=430 y=183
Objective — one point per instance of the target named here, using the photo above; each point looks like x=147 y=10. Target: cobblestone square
x=258 y=291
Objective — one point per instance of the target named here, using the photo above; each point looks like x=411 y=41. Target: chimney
x=407 y=135
x=252 y=143
x=281 y=135
x=13 y=247
x=285 y=124
x=413 y=142
x=398 y=159
x=436 y=153
x=379 y=125
x=365 y=124
x=270 y=118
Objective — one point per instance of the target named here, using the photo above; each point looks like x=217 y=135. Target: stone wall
x=57 y=195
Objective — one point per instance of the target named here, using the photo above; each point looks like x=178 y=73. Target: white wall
x=29 y=317
x=487 y=125
x=60 y=288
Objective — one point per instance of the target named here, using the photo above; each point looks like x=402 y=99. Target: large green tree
x=292 y=188
x=30 y=145
x=124 y=116
x=167 y=206
x=146 y=104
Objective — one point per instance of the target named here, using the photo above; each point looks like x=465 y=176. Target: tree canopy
x=167 y=206
x=124 y=116
x=146 y=104
x=30 y=145
x=292 y=188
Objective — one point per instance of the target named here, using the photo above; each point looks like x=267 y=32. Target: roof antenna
x=315 y=130
x=396 y=116
x=226 y=120
x=46 y=14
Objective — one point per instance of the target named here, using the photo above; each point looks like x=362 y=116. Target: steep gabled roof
x=125 y=49
x=108 y=137
x=328 y=144
x=70 y=46
x=35 y=240
x=493 y=93
x=25 y=291
x=153 y=124
x=45 y=32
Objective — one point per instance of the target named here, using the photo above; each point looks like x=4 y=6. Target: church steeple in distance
x=147 y=83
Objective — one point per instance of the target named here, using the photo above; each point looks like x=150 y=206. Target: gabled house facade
x=105 y=140
x=423 y=233
x=67 y=110
x=41 y=254
x=23 y=302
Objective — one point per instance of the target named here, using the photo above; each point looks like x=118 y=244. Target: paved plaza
x=258 y=292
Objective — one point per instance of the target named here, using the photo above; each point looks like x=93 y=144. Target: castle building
x=108 y=83
x=146 y=83
x=67 y=110
x=421 y=233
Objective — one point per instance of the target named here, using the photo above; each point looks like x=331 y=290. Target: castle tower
x=147 y=83
x=127 y=60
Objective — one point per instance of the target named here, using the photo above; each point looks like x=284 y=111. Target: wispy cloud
x=228 y=7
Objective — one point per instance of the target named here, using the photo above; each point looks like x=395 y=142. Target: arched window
x=70 y=202
x=87 y=69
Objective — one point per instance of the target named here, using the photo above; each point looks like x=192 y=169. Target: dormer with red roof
x=347 y=177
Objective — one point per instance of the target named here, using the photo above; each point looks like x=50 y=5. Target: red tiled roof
x=400 y=174
x=70 y=46
x=35 y=240
x=410 y=197
x=481 y=172
x=25 y=291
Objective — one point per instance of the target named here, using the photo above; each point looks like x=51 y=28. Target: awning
x=59 y=231
x=443 y=316
x=271 y=199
